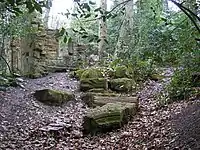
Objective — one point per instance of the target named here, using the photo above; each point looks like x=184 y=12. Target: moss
x=123 y=72
x=121 y=84
x=99 y=72
x=54 y=97
x=78 y=73
x=87 y=84
x=97 y=90
x=92 y=73
x=107 y=117
x=156 y=77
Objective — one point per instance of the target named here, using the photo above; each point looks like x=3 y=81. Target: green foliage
x=183 y=82
x=15 y=6
x=180 y=86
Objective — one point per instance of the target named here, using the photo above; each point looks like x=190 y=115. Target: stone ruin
x=40 y=53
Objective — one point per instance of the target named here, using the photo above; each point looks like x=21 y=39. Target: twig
x=186 y=9
x=7 y=64
x=125 y=2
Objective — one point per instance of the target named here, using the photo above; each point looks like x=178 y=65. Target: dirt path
x=25 y=122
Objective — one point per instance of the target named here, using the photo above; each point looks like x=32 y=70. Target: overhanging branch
x=184 y=9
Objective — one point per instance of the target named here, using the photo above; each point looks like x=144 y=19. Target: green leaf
x=67 y=14
x=74 y=30
x=69 y=40
x=11 y=2
x=106 y=41
x=101 y=11
x=65 y=39
x=91 y=40
x=98 y=9
x=29 y=6
x=38 y=7
x=163 y=18
x=92 y=3
x=84 y=36
x=82 y=15
x=17 y=10
x=75 y=15
x=104 y=18
x=82 y=29
x=114 y=16
x=109 y=16
x=87 y=16
x=62 y=31
x=86 y=6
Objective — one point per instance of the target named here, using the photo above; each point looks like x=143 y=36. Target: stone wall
x=32 y=55
x=40 y=53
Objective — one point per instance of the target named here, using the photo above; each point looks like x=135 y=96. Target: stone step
x=108 y=117
x=103 y=100
x=93 y=101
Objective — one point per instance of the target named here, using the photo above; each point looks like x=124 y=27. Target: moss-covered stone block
x=93 y=83
x=123 y=72
x=99 y=72
x=97 y=90
x=156 y=77
x=108 y=117
x=78 y=73
x=121 y=85
x=54 y=97
x=92 y=100
x=103 y=100
x=92 y=73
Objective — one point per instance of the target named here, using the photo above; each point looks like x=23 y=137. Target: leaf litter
x=27 y=124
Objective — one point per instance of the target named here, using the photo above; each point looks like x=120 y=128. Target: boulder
x=121 y=84
x=108 y=117
x=87 y=84
x=93 y=101
x=54 y=97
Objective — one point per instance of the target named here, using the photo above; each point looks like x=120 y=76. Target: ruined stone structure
x=40 y=53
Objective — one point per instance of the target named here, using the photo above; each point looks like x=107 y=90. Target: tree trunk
x=102 y=29
x=126 y=29
x=47 y=11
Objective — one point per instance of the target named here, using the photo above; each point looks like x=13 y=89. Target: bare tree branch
x=184 y=9
x=125 y=2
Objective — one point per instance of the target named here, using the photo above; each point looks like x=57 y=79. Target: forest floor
x=26 y=124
